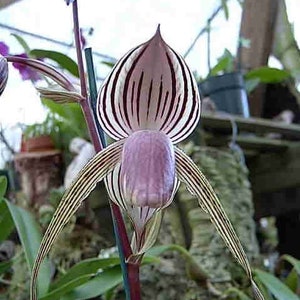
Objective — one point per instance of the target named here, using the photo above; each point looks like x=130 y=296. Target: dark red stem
x=134 y=280
x=132 y=269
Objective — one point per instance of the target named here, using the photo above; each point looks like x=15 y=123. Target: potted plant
x=37 y=137
x=226 y=87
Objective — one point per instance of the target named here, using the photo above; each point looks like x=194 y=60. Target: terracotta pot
x=37 y=144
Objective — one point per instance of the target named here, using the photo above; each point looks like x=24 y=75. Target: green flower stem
x=119 y=228
x=131 y=273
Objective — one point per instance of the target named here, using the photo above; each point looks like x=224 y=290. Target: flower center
x=148 y=169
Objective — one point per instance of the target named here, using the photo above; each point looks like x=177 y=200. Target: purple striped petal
x=44 y=69
x=152 y=88
x=94 y=171
x=3 y=73
x=198 y=185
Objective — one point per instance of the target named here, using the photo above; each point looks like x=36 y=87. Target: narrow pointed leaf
x=97 y=286
x=6 y=221
x=3 y=186
x=88 y=266
x=293 y=261
x=198 y=185
x=93 y=172
x=63 y=60
x=22 y=42
x=30 y=237
x=275 y=286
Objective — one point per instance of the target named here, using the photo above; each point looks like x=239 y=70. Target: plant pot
x=37 y=144
x=227 y=92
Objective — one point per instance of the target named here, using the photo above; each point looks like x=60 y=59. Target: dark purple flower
x=26 y=72
x=3 y=49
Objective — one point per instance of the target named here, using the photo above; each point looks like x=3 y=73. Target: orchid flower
x=148 y=104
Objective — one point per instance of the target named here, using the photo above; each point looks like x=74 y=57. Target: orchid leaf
x=61 y=59
x=291 y=280
x=30 y=237
x=6 y=221
x=67 y=287
x=275 y=286
x=100 y=284
x=3 y=186
x=293 y=261
x=82 y=186
x=88 y=266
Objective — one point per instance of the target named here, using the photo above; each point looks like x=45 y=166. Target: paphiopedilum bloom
x=148 y=104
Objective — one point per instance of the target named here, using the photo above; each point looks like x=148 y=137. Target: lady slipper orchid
x=148 y=104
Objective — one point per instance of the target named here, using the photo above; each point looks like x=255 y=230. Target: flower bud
x=3 y=73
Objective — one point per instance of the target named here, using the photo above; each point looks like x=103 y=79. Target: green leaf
x=4 y=266
x=6 y=221
x=63 y=60
x=225 y=8
x=72 y=116
x=275 y=286
x=86 y=267
x=292 y=280
x=30 y=237
x=108 y=63
x=224 y=65
x=268 y=75
x=22 y=42
x=293 y=261
x=251 y=84
x=99 y=285
x=67 y=287
x=234 y=291
x=3 y=186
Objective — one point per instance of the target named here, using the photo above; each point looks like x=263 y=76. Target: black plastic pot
x=227 y=92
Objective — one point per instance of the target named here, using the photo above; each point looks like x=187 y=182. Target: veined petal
x=95 y=170
x=151 y=87
x=44 y=69
x=3 y=73
x=145 y=220
x=60 y=95
x=198 y=185
x=140 y=244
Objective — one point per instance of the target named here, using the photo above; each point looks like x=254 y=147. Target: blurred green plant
x=100 y=276
x=226 y=64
